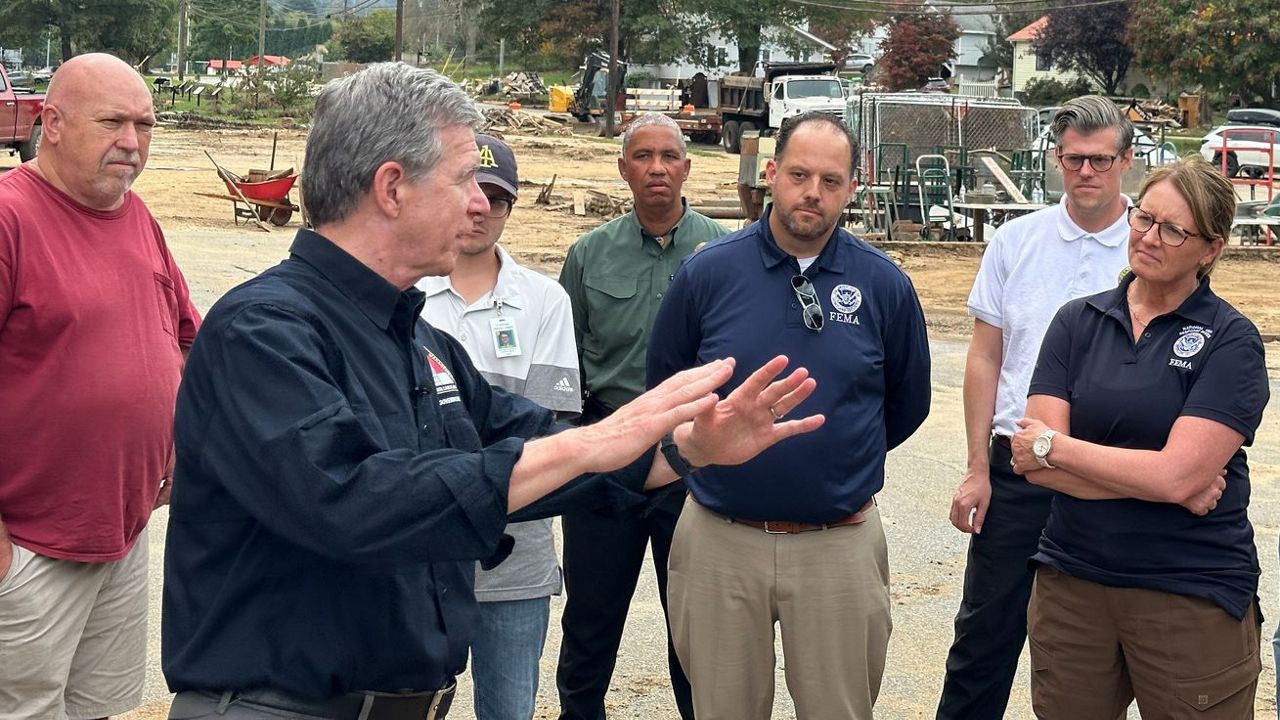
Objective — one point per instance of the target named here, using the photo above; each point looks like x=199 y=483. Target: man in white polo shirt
x=1033 y=265
x=517 y=327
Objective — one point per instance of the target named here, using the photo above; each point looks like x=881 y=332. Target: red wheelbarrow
x=264 y=195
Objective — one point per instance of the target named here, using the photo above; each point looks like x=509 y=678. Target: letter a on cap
x=486 y=157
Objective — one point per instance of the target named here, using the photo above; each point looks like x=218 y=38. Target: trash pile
x=1153 y=111
x=582 y=202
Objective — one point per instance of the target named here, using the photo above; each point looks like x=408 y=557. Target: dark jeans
x=602 y=561
x=991 y=626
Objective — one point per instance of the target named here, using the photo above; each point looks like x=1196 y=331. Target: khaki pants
x=1095 y=648
x=828 y=590
x=73 y=636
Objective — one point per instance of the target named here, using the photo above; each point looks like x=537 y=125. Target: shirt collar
x=1112 y=236
x=367 y=290
x=507 y=288
x=829 y=259
x=1199 y=307
x=673 y=232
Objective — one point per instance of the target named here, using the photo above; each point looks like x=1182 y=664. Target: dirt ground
x=540 y=236
x=215 y=255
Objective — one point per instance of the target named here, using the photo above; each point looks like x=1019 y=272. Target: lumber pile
x=504 y=120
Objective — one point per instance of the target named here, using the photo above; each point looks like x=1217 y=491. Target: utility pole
x=399 y=29
x=262 y=33
x=611 y=102
x=182 y=38
x=502 y=51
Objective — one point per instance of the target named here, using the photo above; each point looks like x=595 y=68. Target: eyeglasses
x=1170 y=234
x=810 y=309
x=499 y=207
x=1099 y=163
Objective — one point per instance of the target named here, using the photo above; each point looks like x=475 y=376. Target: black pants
x=602 y=561
x=991 y=626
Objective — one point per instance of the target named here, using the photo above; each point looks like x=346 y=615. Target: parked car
x=1046 y=114
x=860 y=61
x=1252 y=150
x=937 y=84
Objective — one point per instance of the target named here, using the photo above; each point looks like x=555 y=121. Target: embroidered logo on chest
x=846 y=299
x=446 y=387
x=1191 y=340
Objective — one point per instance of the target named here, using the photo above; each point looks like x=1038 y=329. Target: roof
x=1031 y=32
x=231 y=64
x=269 y=60
x=823 y=44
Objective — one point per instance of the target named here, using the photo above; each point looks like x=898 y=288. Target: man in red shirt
x=95 y=320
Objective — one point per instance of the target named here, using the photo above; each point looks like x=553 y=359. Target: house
x=977 y=36
x=1029 y=65
x=216 y=67
x=268 y=61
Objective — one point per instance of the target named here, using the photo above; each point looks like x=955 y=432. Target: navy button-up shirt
x=1203 y=360
x=341 y=468
x=871 y=360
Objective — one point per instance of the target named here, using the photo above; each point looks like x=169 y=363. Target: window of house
x=1042 y=63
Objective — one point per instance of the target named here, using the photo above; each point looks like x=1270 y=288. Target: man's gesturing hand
x=741 y=426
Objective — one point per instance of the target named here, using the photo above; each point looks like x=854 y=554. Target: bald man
x=95 y=321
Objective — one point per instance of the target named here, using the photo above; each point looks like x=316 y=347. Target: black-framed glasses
x=1099 y=163
x=810 y=308
x=499 y=207
x=1170 y=234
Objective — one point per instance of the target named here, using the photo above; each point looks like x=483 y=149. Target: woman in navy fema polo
x=1142 y=397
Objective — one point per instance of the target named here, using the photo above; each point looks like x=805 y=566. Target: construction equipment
x=762 y=101
x=587 y=100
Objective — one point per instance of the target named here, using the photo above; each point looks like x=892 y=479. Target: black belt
x=1002 y=440
x=352 y=706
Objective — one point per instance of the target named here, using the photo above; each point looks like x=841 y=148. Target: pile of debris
x=193 y=121
x=1153 y=111
x=524 y=83
x=582 y=202
x=503 y=120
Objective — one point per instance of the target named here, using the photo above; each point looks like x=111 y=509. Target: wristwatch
x=1042 y=446
x=677 y=462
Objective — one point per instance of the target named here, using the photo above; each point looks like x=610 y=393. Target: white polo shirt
x=545 y=370
x=1032 y=266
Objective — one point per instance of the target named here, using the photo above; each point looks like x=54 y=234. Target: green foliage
x=1089 y=40
x=744 y=21
x=1044 y=91
x=367 y=38
x=916 y=48
x=1232 y=45
x=130 y=29
x=223 y=29
x=549 y=33
x=1000 y=51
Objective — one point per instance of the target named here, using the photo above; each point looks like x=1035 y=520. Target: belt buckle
x=773 y=532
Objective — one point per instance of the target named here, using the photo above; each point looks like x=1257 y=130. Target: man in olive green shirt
x=616 y=276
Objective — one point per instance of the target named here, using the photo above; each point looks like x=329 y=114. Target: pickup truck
x=19 y=118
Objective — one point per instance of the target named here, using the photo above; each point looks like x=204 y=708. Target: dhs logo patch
x=846 y=299
x=1189 y=343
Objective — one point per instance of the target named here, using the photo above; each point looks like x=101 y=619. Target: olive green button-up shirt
x=616 y=276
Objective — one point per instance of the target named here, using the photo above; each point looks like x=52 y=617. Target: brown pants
x=1094 y=649
x=828 y=590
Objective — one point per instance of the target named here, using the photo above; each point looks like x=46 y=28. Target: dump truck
x=762 y=100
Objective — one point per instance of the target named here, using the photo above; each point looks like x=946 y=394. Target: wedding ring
x=774 y=413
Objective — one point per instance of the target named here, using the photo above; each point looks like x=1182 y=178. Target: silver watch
x=1042 y=446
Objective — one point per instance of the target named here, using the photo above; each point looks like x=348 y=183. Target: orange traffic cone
x=514 y=105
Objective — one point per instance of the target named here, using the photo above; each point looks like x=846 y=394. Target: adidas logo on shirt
x=564 y=385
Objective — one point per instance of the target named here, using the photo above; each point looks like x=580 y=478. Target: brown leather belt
x=787 y=527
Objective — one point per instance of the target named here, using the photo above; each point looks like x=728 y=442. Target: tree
x=132 y=29
x=1089 y=40
x=1228 y=44
x=652 y=31
x=745 y=22
x=223 y=29
x=368 y=38
x=917 y=47
x=841 y=28
x=1000 y=50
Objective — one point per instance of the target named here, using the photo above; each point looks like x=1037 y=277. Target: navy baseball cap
x=497 y=164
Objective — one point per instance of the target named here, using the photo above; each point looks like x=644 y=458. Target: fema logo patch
x=846 y=298
x=1189 y=343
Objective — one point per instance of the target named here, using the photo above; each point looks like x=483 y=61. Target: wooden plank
x=1009 y=187
x=579 y=202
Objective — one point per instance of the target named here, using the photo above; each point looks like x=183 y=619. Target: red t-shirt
x=93 y=313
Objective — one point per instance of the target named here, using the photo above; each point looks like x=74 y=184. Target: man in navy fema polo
x=794 y=536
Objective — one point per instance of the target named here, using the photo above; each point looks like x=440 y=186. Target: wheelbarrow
x=261 y=196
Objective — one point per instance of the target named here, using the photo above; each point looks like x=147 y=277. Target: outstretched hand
x=749 y=420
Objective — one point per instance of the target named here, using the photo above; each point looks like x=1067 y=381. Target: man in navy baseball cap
x=497 y=165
